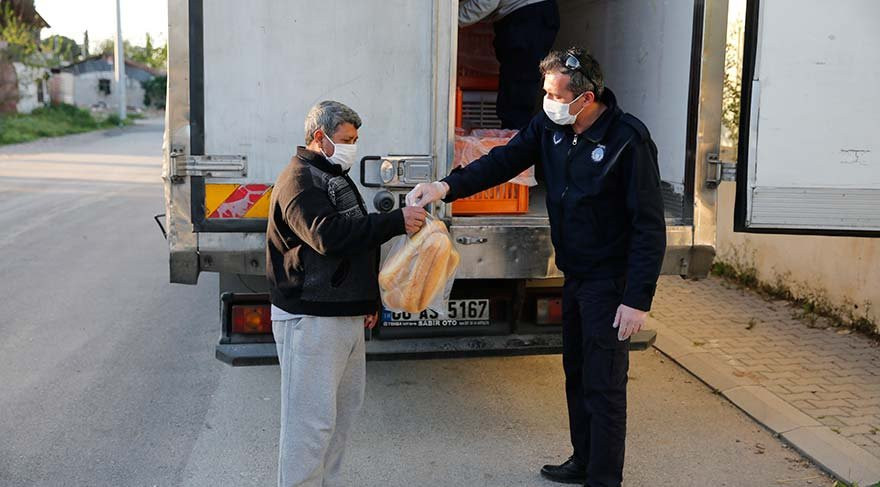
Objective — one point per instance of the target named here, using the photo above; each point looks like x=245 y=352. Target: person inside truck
x=608 y=229
x=322 y=260
x=524 y=33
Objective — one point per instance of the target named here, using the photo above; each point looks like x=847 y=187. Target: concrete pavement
x=817 y=387
x=494 y=422
x=104 y=364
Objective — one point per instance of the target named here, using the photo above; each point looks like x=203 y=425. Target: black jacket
x=322 y=247
x=603 y=195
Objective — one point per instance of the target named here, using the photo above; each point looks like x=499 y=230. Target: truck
x=242 y=76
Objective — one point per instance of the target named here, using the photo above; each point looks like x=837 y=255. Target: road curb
x=831 y=451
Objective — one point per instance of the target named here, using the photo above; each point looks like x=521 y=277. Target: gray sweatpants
x=323 y=373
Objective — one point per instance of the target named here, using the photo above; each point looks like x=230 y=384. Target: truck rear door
x=809 y=151
x=254 y=71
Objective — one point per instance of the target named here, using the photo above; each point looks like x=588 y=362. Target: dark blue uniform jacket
x=603 y=195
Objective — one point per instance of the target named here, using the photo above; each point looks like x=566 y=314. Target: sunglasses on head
x=572 y=63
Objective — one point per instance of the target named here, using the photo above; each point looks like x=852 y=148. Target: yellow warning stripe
x=218 y=193
x=261 y=207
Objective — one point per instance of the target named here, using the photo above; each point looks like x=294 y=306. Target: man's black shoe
x=570 y=472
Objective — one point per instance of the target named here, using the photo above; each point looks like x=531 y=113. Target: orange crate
x=507 y=198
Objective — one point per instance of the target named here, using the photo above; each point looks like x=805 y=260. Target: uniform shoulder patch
x=636 y=124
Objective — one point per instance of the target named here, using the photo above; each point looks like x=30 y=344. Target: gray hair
x=327 y=116
x=578 y=83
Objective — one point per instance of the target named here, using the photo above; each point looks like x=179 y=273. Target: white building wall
x=28 y=80
x=86 y=93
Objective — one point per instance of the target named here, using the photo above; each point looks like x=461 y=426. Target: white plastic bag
x=469 y=148
x=419 y=271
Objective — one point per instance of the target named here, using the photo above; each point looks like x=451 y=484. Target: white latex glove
x=425 y=193
x=628 y=321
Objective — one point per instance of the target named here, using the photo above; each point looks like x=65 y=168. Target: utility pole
x=120 y=64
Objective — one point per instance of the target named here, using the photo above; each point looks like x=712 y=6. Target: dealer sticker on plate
x=460 y=312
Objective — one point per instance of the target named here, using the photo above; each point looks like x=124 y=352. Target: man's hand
x=370 y=321
x=414 y=218
x=425 y=193
x=628 y=321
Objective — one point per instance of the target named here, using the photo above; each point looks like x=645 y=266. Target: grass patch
x=53 y=121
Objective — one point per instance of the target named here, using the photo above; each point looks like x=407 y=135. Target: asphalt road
x=108 y=376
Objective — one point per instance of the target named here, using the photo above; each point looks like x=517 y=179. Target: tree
x=17 y=34
x=85 y=48
x=18 y=43
x=147 y=54
x=732 y=85
x=154 y=91
x=61 y=50
x=106 y=47
x=160 y=57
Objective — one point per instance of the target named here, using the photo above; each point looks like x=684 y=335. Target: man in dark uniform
x=608 y=229
x=524 y=33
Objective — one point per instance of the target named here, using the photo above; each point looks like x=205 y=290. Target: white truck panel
x=267 y=63
x=814 y=155
x=819 y=107
x=645 y=52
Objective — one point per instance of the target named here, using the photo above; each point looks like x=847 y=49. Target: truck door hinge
x=718 y=170
x=207 y=165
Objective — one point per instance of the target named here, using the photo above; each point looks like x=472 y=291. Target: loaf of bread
x=412 y=277
x=397 y=264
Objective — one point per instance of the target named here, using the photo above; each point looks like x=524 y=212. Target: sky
x=71 y=18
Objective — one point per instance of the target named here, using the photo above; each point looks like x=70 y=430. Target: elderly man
x=608 y=228
x=322 y=258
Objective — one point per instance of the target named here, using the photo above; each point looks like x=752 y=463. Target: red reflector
x=251 y=319
x=549 y=311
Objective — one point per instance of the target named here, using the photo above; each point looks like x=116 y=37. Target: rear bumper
x=241 y=354
x=422 y=348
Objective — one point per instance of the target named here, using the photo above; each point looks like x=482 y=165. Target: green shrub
x=51 y=121
x=154 y=91
x=113 y=119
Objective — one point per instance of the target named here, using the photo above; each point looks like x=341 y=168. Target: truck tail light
x=251 y=319
x=548 y=311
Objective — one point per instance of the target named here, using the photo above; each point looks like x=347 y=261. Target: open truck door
x=809 y=151
x=242 y=76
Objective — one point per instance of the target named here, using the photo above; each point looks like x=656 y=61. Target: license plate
x=459 y=312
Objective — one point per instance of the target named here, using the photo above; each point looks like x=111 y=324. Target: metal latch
x=719 y=170
x=208 y=165
x=399 y=171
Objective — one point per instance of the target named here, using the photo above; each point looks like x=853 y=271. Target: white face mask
x=558 y=112
x=343 y=154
